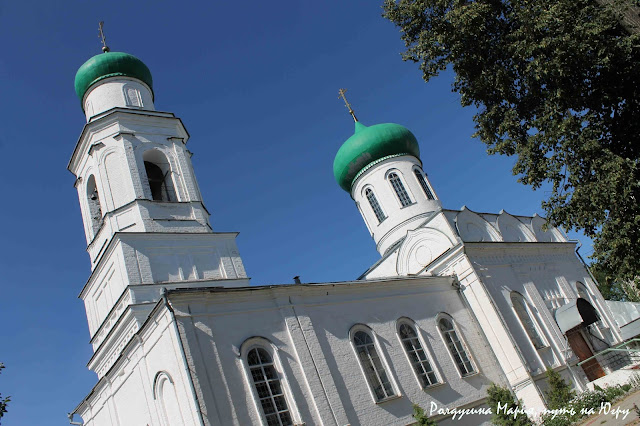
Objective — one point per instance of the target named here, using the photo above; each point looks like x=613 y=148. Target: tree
x=421 y=417
x=613 y=289
x=502 y=402
x=5 y=400
x=559 y=393
x=630 y=18
x=556 y=84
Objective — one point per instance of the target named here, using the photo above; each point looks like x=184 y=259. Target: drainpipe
x=583 y=262
x=458 y=287
x=71 y=422
x=578 y=246
x=163 y=293
x=611 y=321
x=313 y=361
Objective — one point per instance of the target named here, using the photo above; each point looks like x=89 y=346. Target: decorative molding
x=512 y=229
x=122 y=134
x=419 y=248
x=474 y=228
x=548 y=321
x=95 y=147
x=551 y=235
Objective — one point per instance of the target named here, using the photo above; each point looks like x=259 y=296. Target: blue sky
x=256 y=85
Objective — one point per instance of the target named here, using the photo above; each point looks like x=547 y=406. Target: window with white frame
x=398 y=187
x=268 y=386
x=375 y=206
x=526 y=319
x=456 y=346
x=416 y=354
x=372 y=365
x=423 y=183
x=132 y=96
x=158 y=172
x=93 y=201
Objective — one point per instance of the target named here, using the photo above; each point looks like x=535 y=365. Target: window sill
x=435 y=385
x=391 y=398
x=466 y=376
x=408 y=205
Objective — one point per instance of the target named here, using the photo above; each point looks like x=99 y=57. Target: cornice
x=112 y=116
x=506 y=253
x=121 y=236
x=263 y=297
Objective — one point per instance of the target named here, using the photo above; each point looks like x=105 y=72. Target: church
x=458 y=300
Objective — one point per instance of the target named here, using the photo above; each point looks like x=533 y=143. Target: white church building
x=457 y=301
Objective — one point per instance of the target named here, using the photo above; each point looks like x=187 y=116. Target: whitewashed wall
x=148 y=385
x=399 y=219
x=546 y=275
x=309 y=326
x=114 y=92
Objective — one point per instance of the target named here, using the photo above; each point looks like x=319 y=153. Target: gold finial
x=105 y=48
x=341 y=92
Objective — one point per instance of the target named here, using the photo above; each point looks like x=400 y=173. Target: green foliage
x=615 y=289
x=556 y=84
x=421 y=417
x=501 y=401
x=584 y=405
x=5 y=400
x=614 y=392
x=559 y=393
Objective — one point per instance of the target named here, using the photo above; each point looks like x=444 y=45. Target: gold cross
x=105 y=48
x=341 y=93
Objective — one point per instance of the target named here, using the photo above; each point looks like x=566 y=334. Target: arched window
x=89 y=108
x=582 y=291
x=401 y=192
x=375 y=206
x=93 y=200
x=165 y=394
x=159 y=176
x=268 y=387
x=455 y=346
x=416 y=354
x=372 y=366
x=423 y=183
x=520 y=306
x=132 y=96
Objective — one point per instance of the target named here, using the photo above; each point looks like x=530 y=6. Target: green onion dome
x=111 y=64
x=369 y=145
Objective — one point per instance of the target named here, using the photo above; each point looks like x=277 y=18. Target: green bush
x=612 y=393
x=501 y=417
x=582 y=403
x=421 y=417
x=559 y=393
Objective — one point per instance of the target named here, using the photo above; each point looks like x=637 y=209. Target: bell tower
x=380 y=167
x=145 y=222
